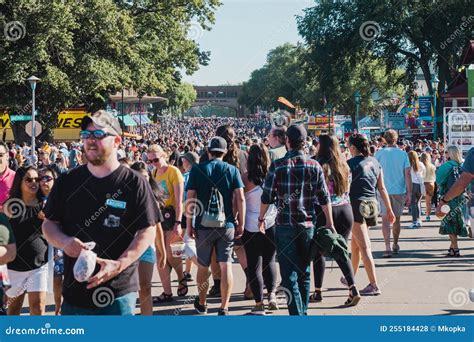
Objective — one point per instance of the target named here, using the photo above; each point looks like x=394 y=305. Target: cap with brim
x=296 y=133
x=191 y=157
x=217 y=144
x=102 y=119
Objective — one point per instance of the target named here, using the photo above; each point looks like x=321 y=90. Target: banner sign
x=424 y=103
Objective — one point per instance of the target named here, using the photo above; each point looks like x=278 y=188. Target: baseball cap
x=296 y=133
x=191 y=157
x=428 y=149
x=102 y=119
x=217 y=144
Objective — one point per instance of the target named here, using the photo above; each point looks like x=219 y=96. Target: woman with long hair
x=171 y=185
x=48 y=176
x=429 y=179
x=367 y=178
x=29 y=271
x=452 y=224
x=260 y=246
x=417 y=171
x=337 y=174
x=148 y=259
x=238 y=158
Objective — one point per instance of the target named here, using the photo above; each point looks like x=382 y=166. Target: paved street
x=418 y=281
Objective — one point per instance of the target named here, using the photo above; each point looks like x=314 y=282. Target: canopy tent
x=127 y=120
x=141 y=119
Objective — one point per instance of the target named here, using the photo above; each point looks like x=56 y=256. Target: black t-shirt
x=108 y=211
x=365 y=173
x=32 y=248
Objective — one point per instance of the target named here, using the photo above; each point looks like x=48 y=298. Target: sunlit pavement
x=418 y=281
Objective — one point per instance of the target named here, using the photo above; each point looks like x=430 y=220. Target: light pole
x=123 y=122
x=329 y=109
x=33 y=80
x=140 y=112
x=434 y=84
x=357 y=102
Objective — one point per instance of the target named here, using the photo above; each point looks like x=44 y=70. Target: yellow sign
x=71 y=119
x=5 y=121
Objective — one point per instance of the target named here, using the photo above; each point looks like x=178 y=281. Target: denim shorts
x=149 y=255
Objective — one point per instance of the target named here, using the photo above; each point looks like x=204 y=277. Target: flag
x=284 y=101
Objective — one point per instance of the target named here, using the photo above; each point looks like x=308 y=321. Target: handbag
x=169 y=218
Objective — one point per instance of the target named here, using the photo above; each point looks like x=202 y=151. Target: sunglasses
x=46 y=179
x=156 y=160
x=98 y=134
x=31 y=180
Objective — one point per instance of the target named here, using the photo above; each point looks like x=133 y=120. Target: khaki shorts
x=397 y=202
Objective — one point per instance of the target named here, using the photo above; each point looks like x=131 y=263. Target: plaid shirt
x=296 y=183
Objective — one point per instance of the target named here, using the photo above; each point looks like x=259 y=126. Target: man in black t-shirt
x=110 y=205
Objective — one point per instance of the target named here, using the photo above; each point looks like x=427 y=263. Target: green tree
x=400 y=34
x=83 y=50
x=181 y=97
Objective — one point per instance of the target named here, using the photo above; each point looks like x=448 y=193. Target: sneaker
x=223 y=312
x=418 y=223
x=258 y=310
x=428 y=219
x=370 y=290
x=413 y=226
x=272 y=302
x=215 y=291
x=316 y=297
x=344 y=282
x=200 y=309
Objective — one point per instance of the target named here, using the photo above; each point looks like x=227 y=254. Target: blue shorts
x=149 y=256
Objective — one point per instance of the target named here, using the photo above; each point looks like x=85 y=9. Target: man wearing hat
x=295 y=183
x=111 y=205
x=212 y=188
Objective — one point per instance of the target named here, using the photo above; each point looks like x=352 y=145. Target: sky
x=244 y=32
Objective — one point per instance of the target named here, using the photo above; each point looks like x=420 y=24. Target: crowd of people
x=211 y=190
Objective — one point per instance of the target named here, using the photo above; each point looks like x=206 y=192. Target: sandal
x=387 y=254
x=456 y=252
x=316 y=297
x=450 y=252
x=183 y=287
x=353 y=299
x=163 y=298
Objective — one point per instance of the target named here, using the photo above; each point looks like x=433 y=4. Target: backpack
x=214 y=214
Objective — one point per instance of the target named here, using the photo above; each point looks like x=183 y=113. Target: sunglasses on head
x=31 y=180
x=156 y=160
x=97 y=134
x=46 y=179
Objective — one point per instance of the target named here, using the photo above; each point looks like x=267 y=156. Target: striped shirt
x=295 y=183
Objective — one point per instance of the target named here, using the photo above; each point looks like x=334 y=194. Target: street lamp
x=357 y=102
x=140 y=113
x=434 y=83
x=329 y=109
x=33 y=80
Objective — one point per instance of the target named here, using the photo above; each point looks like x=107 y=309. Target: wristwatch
x=443 y=200
x=261 y=220
x=177 y=222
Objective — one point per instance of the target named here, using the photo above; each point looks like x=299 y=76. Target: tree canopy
x=83 y=50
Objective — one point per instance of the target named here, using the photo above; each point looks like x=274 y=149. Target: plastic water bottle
x=445 y=209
